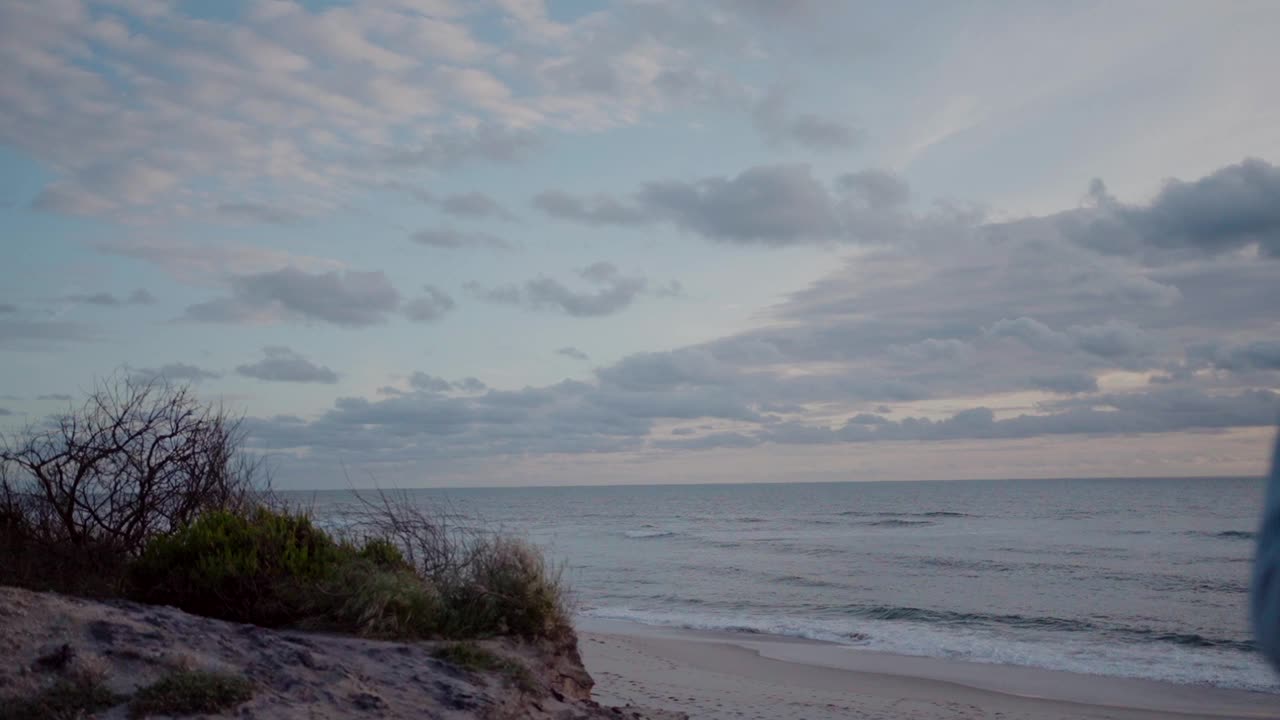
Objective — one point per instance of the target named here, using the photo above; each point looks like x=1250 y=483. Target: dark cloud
x=430 y=383
x=141 y=297
x=594 y=210
x=1236 y=206
x=63 y=397
x=258 y=213
x=574 y=353
x=5 y=412
x=946 y=309
x=616 y=292
x=1066 y=383
x=1113 y=339
x=470 y=205
x=102 y=298
x=8 y=308
x=451 y=239
x=774 y=121
x=432 y=305
x=1257 y=355
x=350 y=298
x=106 y=299
x=446 y=150
x=39 y=334
x=877 y=189
x=684 y=368
x=424 y=382
x=773 y=205
x=770 y=205
x=174 y=372
x=281 y=364
x=819 y=133
x=473 y=205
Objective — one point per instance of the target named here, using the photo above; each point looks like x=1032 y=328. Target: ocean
x=1144 y=578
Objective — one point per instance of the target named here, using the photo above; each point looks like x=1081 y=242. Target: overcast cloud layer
x=506 y=242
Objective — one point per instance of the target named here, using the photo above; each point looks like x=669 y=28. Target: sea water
x=1139 y=578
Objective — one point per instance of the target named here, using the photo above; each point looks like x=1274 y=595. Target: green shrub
x=383 y=553
x=273 y=569
x=65 y=700
x=256 y=569
x=370 y=600
x=507 y=589
x=190 y=692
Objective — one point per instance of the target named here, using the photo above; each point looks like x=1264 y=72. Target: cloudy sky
x=427 y=242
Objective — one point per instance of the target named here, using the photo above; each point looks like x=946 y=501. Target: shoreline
x=730 y=675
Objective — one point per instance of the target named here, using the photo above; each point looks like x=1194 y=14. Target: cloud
x=348 y=299
x=424 y=382
x=5 y=412
x=258 y=213
x=452 y=239
x=429 y=383
x=772 y=205
x=1231 y=208
x=106 y=299
x=616 y=292
x=1256 y=355
x=39 y=334
x=293 y=101
x=573 y=353
x=102 y=298
x=433 y=305
x=473 y=205
x=140 y=297
x=173 y=372
x=210 y=263
x=595 y=210
x=876 y=189
x=63 y=397
x=282 y=364
x=448 y=149
x=1113 y=339
x=8 y=308
x=773 y=120
x=1066 y=383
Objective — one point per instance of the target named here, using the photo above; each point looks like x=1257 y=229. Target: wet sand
x=738 y=676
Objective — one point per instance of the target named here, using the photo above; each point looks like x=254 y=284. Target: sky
x=512 y=242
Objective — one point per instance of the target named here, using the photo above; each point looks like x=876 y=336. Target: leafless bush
x=140 y=458
x=437 y=542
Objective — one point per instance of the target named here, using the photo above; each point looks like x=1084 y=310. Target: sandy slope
x=742 y=677
x=296 y=675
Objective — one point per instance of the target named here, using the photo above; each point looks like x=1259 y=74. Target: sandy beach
x=737 y=676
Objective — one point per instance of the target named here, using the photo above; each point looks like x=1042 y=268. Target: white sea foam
x=1152 y=661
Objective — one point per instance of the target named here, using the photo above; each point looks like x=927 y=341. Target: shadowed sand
x=732 y=676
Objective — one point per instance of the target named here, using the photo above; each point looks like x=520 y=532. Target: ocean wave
x=1043 y=622
x=960 y=564
x=1230 y=535
x=746 y=624
x=1180 y=658
x=802 y=581
x=649 y=534
x=898 y=523
x=930 y=514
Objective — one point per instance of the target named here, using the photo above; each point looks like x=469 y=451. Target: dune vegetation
x=145 y=493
